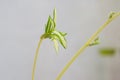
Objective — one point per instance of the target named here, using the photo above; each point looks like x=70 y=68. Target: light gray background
x=22 y=22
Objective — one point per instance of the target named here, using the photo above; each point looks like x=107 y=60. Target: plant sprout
x=53 y=34
x=93 y=40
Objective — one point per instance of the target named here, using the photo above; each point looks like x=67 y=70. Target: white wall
x=22 y=23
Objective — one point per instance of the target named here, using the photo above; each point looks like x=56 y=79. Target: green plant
x=57 y=36
x=93 y=40
x=51 y=33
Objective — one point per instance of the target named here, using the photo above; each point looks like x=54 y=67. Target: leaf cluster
x=53 y=34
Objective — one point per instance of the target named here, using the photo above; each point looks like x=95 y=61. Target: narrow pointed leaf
x=47 y=28
x=54 y=15
x=111 y=15
x=56 y=45
x=63 y=34
x=95 y=42
x=61 y=39
x=96 y=39
x=52 y=25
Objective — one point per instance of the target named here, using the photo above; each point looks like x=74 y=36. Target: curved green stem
x=35 y=58
x=86 y=45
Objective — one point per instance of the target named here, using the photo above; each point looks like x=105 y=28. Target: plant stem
x=35 y=58
x=86 y=45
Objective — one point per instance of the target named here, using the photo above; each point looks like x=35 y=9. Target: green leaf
x=95 y=42
x=51 y=33
x=47 y=28
x=54 y=15
x=52 y=25
x=61 y=38
x=63 y=34
x=111 y=14
x=56 y=45
x=96 y=39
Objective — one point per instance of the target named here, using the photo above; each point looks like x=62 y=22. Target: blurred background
x=22 y=22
